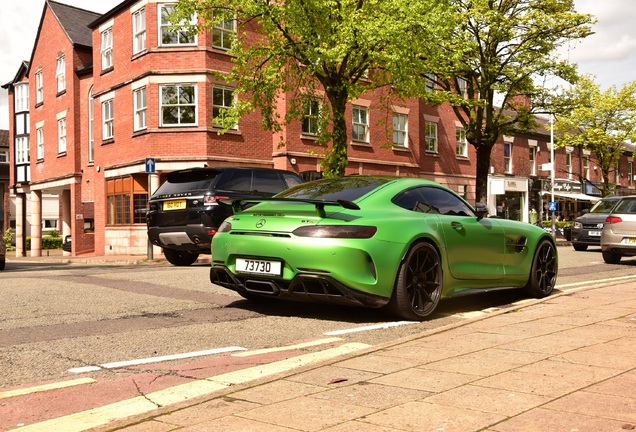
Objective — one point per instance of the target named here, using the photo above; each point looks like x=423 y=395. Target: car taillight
x=336 y=231
x=225 y=227
x=213 y=199
x=613 y=220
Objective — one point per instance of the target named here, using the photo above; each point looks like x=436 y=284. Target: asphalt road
x=57 y=318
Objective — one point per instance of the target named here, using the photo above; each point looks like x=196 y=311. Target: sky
x=609 y=54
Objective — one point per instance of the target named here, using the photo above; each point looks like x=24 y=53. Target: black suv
x=183 y=214
x=587 y=229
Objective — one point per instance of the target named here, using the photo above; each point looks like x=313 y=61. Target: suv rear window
x=626 y=206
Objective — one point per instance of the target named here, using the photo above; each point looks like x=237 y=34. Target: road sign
x=552 y=206
x=150 y=165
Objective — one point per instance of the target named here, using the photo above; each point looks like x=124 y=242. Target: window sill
x=108 y=141
x=39 y=104
x=309 y=137
x=401 y=148
x=140 y=132
x=360 y=144
x=61 y=154
x=229 y=131
x=107 y=70
x=60 y=93
x=461 y=157
x=431 y=153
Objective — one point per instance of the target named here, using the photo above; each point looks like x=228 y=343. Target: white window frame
x=22 y=150
x=39 y=133
x=108 y=120
x=39 y=87
x=21 y=97
x=400 y=130
x=91 y=127
x=360 y=123
x=507 y=148
x=4 y=156
x=311 y=116
x=107 y=48
x=228 y=100
x=226 y=32
x=568 y=164
x=164 y=26
x=430 y=134
x=141 y=108
x=586 y=167
x=462 y=87
x=461 y=145
x=533 y=160
x=430 y=81
x=178 y=105
x=139 y=30
x=61 y=135
x=60 y=74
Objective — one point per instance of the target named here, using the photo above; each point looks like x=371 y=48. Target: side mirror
x=481 y=210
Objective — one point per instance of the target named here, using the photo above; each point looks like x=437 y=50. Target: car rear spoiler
x=239 y=204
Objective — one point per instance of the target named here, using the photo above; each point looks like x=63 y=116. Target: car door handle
x=457 y=226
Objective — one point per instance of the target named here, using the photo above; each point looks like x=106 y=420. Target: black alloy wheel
x=419 y=283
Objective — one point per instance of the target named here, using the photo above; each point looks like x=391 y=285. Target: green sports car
x=400 y=243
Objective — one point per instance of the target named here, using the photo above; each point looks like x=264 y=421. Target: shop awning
x=574 y=196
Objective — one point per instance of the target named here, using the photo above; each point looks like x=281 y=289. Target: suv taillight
x=613 y=220
x=213 y=199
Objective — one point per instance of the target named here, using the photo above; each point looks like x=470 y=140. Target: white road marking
x=287 y=347
x=46 y=387
x=121 y=364
x=371 y=327
x=141 y=405
x=592 y=282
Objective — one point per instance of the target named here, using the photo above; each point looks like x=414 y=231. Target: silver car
x=618 y=238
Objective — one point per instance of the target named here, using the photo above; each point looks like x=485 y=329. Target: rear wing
x=241 y=203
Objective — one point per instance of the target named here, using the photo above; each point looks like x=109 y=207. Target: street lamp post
x=552 y=171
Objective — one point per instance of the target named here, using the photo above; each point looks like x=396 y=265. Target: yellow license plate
x=174 y=205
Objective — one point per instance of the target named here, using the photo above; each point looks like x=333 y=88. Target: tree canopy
x=330 y=50
x=506 y=46
x=600 y=122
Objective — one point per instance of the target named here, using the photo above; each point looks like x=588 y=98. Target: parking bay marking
x=46 y=387
x=121 y=364
x=145 y=404
x=371 y=327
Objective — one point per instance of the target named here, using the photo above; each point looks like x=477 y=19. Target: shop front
x=508 y=198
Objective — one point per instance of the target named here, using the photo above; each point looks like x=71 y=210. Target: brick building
x=101 y=94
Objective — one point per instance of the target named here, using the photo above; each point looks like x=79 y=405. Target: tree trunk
x=481 y=178
x=336 y=160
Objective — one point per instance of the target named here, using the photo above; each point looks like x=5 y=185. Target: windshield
x=603 y=206
x=332 y=189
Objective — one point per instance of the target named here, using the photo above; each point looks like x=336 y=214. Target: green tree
x=310 y=48
x=499 y=49
x=600 y=122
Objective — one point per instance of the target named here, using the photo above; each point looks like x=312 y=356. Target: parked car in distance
x=400 y=243
x=3 y=253
x=619 y=233
x=66 y=246
x=184 y=214
x=587 y=228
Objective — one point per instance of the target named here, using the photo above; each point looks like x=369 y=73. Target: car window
x=236 y=180
x=291 y=180
x=603 y=206
x=342 y=188
x=626 y=206
x=268 y=181
x=180 y=185
x=429 y=199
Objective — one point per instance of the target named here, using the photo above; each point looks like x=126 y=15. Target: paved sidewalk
x=565 y=363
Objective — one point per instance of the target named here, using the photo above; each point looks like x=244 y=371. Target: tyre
x=579 y=247
x=611 y=257
x=418 y=287
x=543 y=272
x=180 y=258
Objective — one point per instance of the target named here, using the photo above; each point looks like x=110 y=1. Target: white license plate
x=259 y=267
x=595 y=233
x=629 y=240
